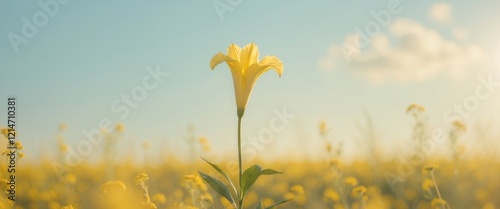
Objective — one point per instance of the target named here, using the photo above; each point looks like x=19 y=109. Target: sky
x=76 y=62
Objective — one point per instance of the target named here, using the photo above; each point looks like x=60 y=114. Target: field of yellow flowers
x=457 y=181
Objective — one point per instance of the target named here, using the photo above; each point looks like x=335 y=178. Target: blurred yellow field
x=406 y=182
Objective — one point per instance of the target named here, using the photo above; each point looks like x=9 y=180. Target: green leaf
x=226 y=176
x=279 y=203
x=261 y=206
x=251 y=175
x=218 y=186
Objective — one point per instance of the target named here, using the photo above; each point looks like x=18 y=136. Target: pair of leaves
x=248 y=178
x=261 y=206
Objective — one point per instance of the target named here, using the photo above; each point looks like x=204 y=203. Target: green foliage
x=251 y=175
x=261 y=206
x=248 y=178
x=218 y=186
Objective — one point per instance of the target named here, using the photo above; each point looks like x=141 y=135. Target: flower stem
x=240 y=164
x=437 y=189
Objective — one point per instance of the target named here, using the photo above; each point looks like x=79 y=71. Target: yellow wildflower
x=459 y=125
x=335 y=164
x=323 y=128
x=140 y=179
x=113 y=186
x=159 y=198
x=206 y=199
x=119 y=127
x=19 y=145
x=297 y=189
x=431 y=167
x=351 y=181
x=331 y=194
x=427 y=184
x=358 y=191
x=69 y=178
x=62 y=127
x=415 y=108
x=436 y=202
x=191 y=182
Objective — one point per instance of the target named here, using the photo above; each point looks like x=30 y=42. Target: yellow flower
x=140 y=179
x=203 y=140
x=206 y=199
x=63 y=148
x=431 y=167
x=113 y=186
x=245 y=68
x=428 y=184
x=267 y=201
x=4 y=184
x=358 y=191
x=63 y=127
x=328 y=147
x=67 y=207
x=331 y=194
x=120 y=127
x=192 y=182
x=297 y=189
x=70 y=178
x=159 y=198
x=323 y=128
x=335 y=164
x=415 y=108
x=351 y=181
x=19 y=145
x=5 y=131
x=205 y=145
x=436 y=202
x=459 y=125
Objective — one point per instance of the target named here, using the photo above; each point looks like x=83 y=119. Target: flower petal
x=219 y=58
x=254 y=71
x=249 y=55
x=234 y=52
x=267 y=63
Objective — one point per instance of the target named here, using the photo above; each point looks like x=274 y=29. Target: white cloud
x=441 y=12
x=408 y=52
x=460 y=33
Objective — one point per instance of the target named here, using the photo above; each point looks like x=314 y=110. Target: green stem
x=437 y=189
x=240 y=164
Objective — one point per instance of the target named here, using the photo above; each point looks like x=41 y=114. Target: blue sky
x=91 y=52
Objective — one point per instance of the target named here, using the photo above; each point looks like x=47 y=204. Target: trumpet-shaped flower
x=246 y=68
